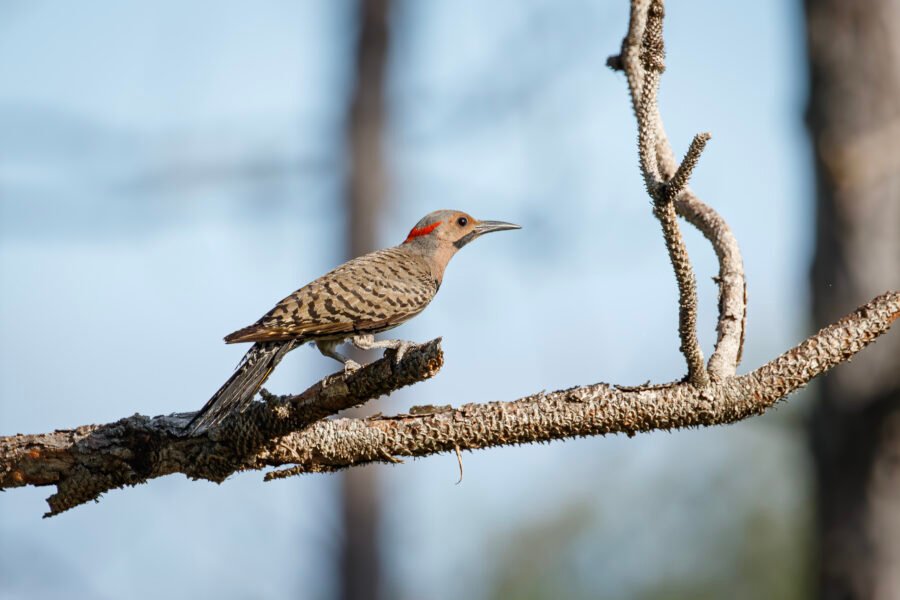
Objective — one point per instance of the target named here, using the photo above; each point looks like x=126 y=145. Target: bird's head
x=452 y=228
x=441 y=233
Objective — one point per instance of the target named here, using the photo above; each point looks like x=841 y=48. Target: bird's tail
x=237 y=393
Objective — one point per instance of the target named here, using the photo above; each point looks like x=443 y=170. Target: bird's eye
x=462 y=221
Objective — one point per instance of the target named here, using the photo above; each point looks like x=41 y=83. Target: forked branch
x=637 y=65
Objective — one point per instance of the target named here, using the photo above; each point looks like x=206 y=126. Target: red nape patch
x=421 y=231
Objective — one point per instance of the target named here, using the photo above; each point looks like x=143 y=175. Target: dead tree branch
x=88 y=461
x=298 y=430
x=85 y=462
x=662 y=190
x=732 y=284
x=597 y=409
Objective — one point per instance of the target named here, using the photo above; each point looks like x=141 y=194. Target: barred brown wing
x=369 y=294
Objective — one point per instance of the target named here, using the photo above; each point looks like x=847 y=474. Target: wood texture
x=88 y=461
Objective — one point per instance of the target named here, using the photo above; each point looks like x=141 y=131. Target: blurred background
x=169 y=170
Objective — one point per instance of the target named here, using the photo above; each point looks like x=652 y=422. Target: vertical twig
x=663 y=192
x=732 y=286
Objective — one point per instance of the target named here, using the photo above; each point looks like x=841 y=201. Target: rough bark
x=854 y=123
x=90 y=460
x=642 y=59
x=87 y=461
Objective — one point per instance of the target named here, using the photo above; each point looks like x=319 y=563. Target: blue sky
x=169 y=171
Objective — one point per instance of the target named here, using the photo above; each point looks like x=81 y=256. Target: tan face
x=456 y=226
x=452 y=228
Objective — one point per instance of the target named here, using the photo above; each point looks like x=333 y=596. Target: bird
x=360 y=298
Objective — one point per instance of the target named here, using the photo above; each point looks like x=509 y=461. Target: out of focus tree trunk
x=854 y=122
x=360 y=556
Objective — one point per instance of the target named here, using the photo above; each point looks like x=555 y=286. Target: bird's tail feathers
x=237 y=393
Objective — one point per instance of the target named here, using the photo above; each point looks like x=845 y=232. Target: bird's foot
x=365 y=342
x=351 y=366
x=398 y=347
x=399 y=350
x=328 y=349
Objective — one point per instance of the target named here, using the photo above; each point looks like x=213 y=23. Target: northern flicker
x=364 y=296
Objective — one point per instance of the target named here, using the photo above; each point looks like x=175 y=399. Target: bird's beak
x=483 y=227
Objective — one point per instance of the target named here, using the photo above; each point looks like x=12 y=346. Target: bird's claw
x=351 y=366
x=400 y=350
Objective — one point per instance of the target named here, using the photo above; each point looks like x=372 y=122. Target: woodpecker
x=364 y=296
